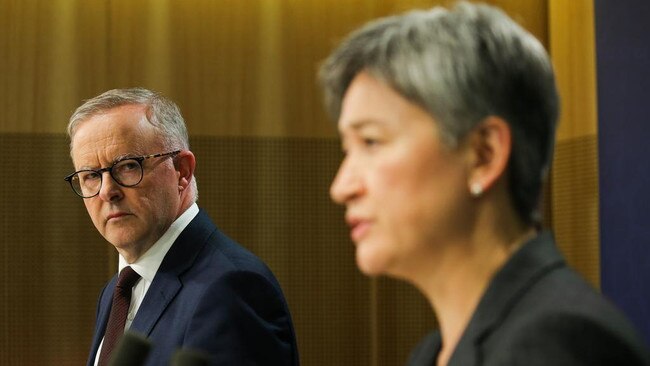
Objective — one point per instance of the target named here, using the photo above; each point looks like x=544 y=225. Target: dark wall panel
x=623 y=52
x=270 y=194
x=52 y=260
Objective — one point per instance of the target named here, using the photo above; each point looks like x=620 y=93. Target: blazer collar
x=531 y=262
x=166 y=284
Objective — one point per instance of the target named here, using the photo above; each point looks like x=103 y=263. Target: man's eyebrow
x=125 y=156
x=113 y=161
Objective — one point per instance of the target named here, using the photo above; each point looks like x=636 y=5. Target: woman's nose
x=348 y=183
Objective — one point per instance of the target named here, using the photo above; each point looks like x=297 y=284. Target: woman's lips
x=358 y=228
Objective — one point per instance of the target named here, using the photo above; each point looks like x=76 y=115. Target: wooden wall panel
x=236 y=68
x=51 y=256
x=574 y=180
x=52 y=54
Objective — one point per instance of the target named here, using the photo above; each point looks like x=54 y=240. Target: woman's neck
x=456 y=283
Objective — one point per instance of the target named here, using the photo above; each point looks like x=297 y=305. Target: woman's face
x=405 y=192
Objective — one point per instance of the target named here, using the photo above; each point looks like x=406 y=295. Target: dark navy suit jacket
x=210 y=295
x=537 y=311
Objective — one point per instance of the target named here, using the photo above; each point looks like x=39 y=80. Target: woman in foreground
x=447 y=119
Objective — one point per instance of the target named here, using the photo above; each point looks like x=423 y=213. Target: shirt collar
x=147 y=265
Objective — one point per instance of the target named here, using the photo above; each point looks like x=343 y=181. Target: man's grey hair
x=461 y=65
x=161 y=112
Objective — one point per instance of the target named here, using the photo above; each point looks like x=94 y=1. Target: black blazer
x=537 y=311
x=211 y=295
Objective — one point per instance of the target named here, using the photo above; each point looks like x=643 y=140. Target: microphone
x=131 y=350
x=186 y=357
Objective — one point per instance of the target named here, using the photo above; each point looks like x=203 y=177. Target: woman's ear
x=490 y=146
x=184 y=163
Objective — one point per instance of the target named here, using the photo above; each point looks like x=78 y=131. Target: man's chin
x=121 y=242
x=129 y=252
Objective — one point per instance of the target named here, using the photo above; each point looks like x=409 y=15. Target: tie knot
x=128 y=277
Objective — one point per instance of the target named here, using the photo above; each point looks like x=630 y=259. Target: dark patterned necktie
x=119 y=310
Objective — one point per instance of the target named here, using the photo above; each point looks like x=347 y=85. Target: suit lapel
x=535 y=259
x=167 y=282
x=156 y=300
x=105 y=302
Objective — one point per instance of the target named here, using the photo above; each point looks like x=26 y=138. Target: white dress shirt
x=147 y=265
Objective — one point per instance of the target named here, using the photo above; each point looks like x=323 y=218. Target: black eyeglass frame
x=109 y=169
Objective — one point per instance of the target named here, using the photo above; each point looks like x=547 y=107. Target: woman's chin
x=371 y=261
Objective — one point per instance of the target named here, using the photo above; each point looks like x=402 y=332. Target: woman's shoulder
x=563 y=320
x=426 y=352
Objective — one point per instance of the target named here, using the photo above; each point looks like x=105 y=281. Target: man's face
x=134 y=218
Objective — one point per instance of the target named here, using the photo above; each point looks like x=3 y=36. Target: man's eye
x=89 y=176
x=129 y=165
x=126 y=166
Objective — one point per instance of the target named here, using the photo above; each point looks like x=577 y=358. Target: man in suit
x=190 y=286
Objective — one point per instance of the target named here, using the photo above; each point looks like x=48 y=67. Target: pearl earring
x=476 y=189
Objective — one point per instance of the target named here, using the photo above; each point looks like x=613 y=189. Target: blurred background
x=243 y=73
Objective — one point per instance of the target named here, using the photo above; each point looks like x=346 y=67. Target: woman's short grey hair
x=461 y=65
x=161 y=112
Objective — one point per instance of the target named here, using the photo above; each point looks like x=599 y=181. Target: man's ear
x=184 y=163
x=490 y=147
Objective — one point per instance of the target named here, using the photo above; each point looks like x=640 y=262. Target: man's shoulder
x=218 y=253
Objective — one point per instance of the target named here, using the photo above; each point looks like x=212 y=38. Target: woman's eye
x=370 y=142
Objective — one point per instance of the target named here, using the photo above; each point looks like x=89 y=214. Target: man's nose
x=110 y=189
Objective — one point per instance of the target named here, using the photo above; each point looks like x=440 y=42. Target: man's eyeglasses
x=126 y=172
